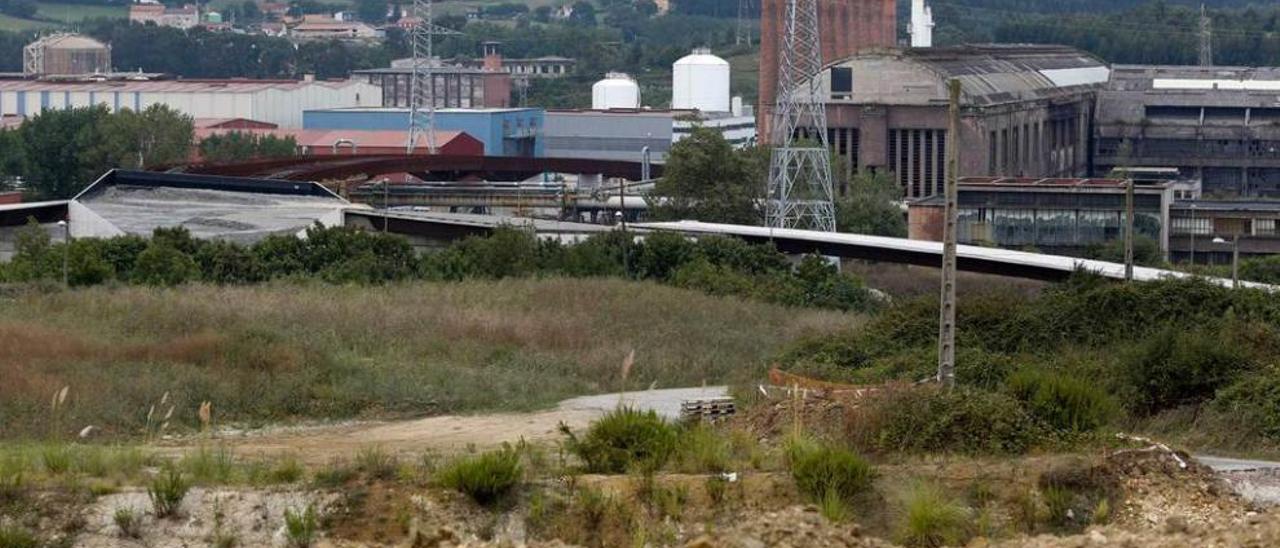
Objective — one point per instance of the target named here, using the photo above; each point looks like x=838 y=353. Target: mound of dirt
x=1161 y=486
x=775 y=419
x=793 y=527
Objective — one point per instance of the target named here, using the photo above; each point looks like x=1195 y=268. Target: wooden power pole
x=947 y=325
x=1128 y=228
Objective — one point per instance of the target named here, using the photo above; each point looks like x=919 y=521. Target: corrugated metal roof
x=997 y=73
x=173 y=86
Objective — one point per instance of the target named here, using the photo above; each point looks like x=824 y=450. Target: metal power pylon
x=742 y=34
x=422 y=100
x=1206 y=38
x=800 y=190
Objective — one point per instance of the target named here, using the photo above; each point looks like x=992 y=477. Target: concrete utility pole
x=947 y=324
x=1128 y=229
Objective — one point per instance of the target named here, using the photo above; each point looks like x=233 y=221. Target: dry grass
x=278 y=352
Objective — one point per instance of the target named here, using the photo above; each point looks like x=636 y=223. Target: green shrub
x=1178 y=367
x=300 y=527
x=13 y=536
x=1253 y=400
x=209 y=465
x=163 y=265
x=931 y=519
x=486 y=478
x=663 y=253
x=929 y=419
x=1062 y=402
x=167 y=491
x=224 y=262
x=1262 y=269
x=1077 y=494
x=622 y=439
x=822 y=472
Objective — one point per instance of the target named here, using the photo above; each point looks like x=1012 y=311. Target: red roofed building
x=330 y=142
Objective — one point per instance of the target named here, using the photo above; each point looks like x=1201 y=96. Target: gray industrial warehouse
x=211 y=207
x=1217 y=124
x=1026 y=111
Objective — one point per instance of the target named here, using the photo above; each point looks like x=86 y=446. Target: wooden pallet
x=711 y=409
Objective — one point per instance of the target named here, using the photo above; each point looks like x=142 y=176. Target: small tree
x=707 y=180
x=871 y=207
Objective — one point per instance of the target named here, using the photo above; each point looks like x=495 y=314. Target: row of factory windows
x=1048 y=227
x=1159 y=114
x=1223 y=226
x=1174 y=148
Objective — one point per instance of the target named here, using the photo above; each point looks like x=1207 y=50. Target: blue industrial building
x=504 y=131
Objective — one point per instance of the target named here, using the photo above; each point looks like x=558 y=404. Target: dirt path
x=449 y=433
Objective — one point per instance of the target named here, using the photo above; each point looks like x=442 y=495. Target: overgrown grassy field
x=71 y=13
x=15 y=24
x=290 y=351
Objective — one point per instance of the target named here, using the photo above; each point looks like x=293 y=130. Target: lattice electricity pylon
x=422 y=101
x=800 y=189
x=742 y=33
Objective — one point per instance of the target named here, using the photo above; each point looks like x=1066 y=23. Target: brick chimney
x=492 y=56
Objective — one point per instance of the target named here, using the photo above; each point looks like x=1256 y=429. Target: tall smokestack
x=845 y=26
x=921 y=28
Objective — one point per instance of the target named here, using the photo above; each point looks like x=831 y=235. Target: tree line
x=57 y=152
x=719 y=266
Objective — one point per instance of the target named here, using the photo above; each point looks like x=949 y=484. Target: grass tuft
x=623 y=439
x=486 y=478
x=167 y=492
x=931 y=519
x=128 y=521
x=301 y=526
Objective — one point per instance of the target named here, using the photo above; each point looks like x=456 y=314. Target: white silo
x=700 y=81
x=617 y=90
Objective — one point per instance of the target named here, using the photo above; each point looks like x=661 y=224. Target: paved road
x=665 y=402
x=1256 y=480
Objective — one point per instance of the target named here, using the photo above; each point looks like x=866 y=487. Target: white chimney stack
x=921 y=28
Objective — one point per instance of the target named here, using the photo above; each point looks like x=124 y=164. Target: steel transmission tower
x=422 y=100
x=742 y=34
x=1206 y=38
x=800 y=193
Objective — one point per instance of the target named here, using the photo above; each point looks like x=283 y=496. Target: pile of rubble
x=797 y=526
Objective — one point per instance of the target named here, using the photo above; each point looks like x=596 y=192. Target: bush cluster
x=823 y=472
x=624 y=439
x=719 y=266
x=929 y=419
x=486 y=477
x=1073 y=359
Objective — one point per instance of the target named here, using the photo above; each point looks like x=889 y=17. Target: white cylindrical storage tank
x=617 y=90
x=700 y=81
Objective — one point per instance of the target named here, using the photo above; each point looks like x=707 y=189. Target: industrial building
x=618 y=134
x=181 y=17
x=345 y=142
x=1051 y=215
x=279 y=102
x=846 y=27
x=1196 y=224
x=1026 y=111
x=619 y=127
x=1217 y=124
x=504 y=131
x=65 y=54
x=452 y=86
x=210 y=207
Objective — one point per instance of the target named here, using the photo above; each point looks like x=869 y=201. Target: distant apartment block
x=184 y=17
